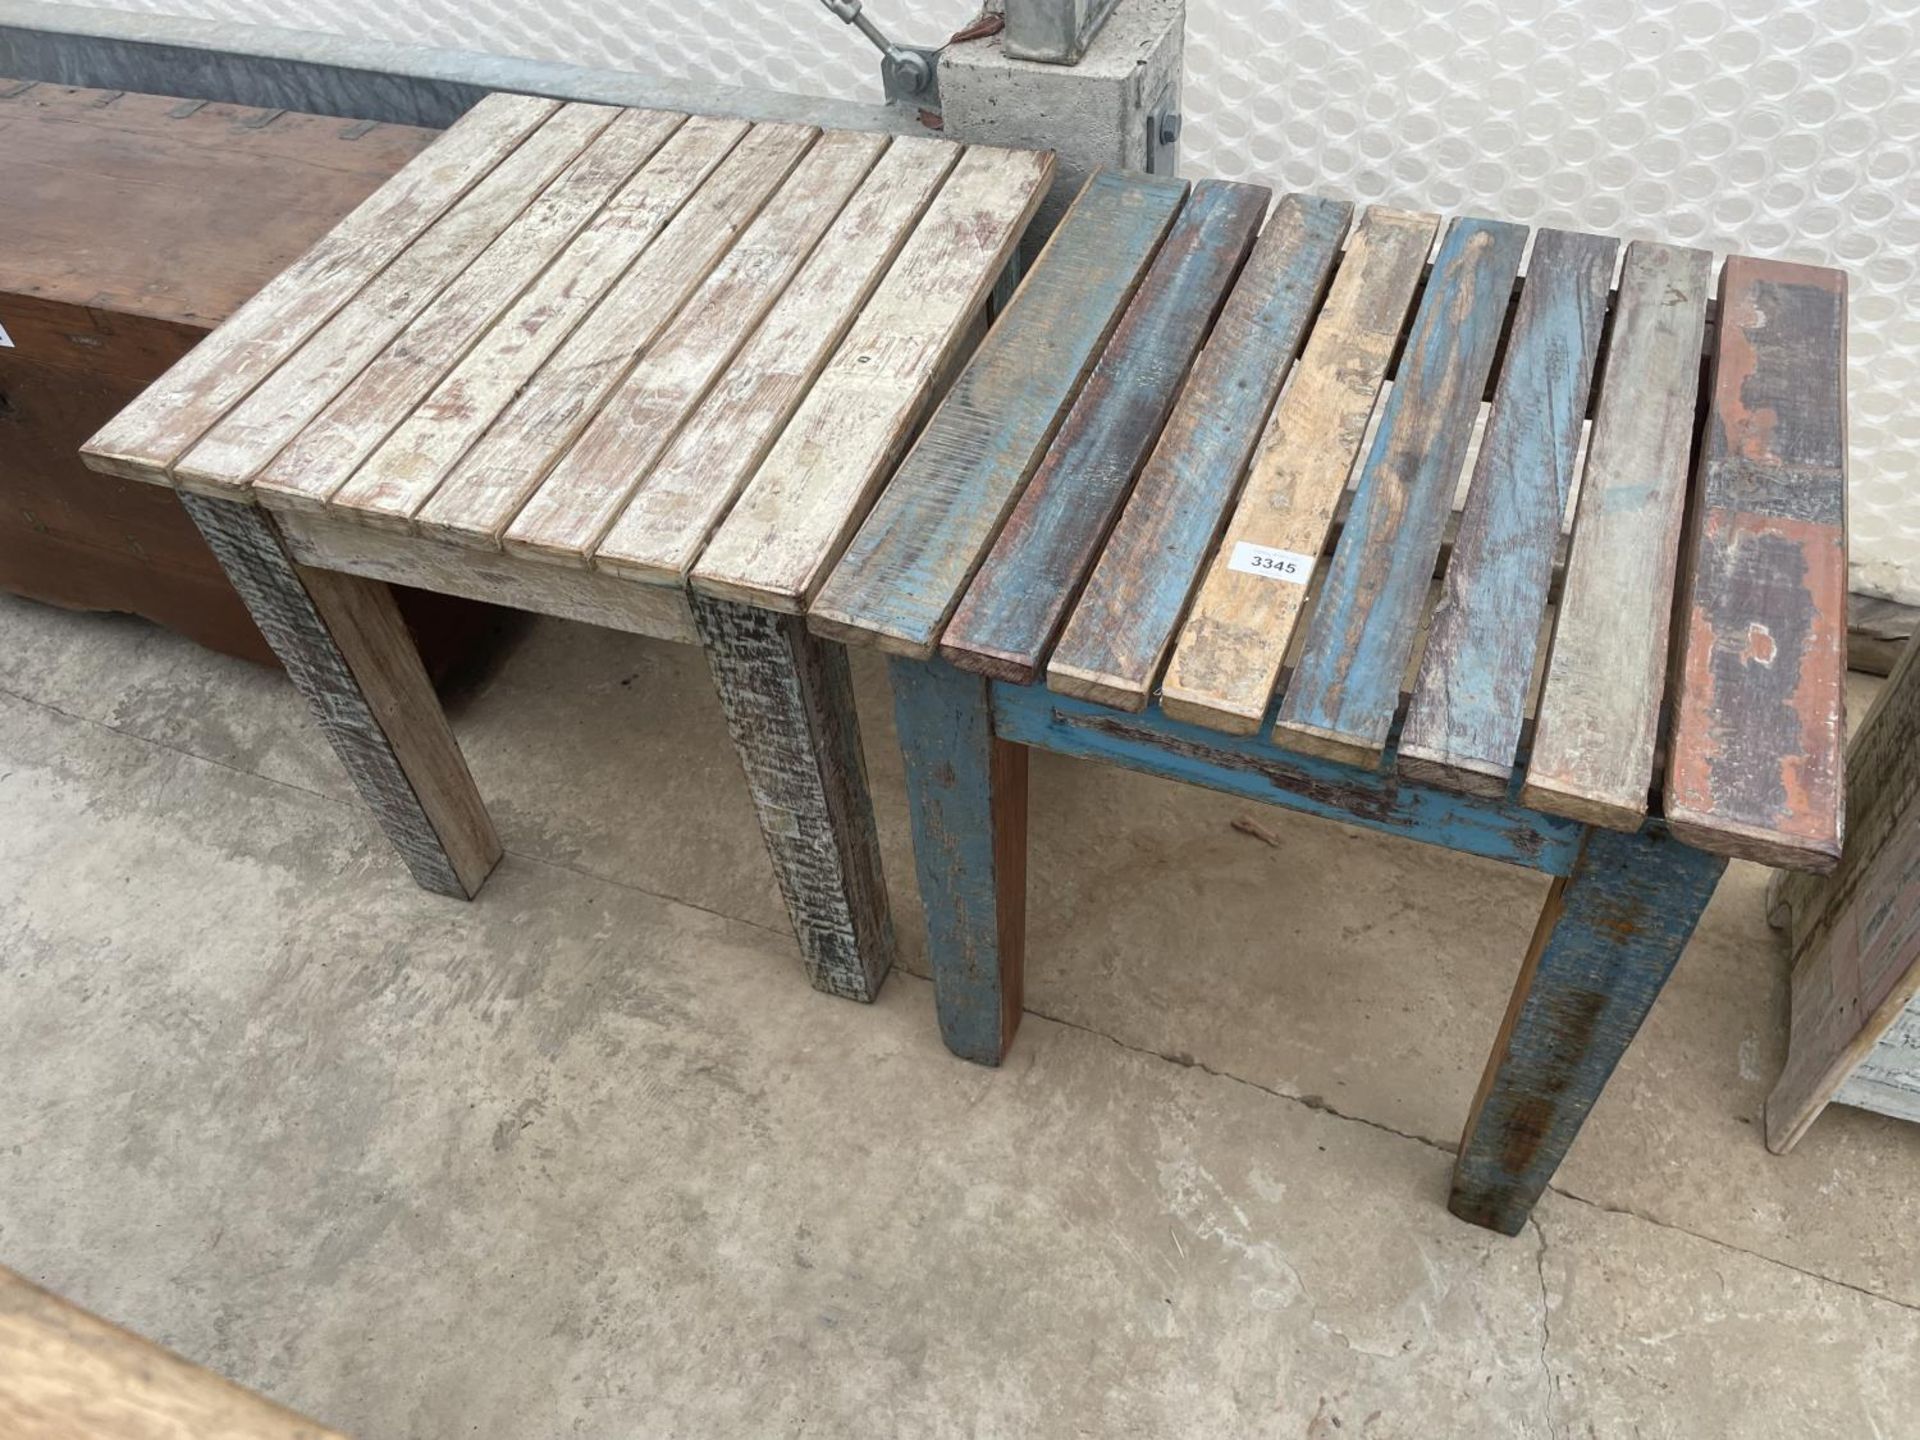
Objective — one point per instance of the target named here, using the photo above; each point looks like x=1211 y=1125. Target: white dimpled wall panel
x=1785 y=128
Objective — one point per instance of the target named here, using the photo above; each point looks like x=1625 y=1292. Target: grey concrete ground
x=587 y=1157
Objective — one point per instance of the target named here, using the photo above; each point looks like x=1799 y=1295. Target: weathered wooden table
x=1165 y=519
x=553 y=360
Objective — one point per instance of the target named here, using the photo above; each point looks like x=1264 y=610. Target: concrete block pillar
x=1110 y=109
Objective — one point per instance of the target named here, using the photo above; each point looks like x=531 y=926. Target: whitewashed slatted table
x=1187 y=511
x=566 y=352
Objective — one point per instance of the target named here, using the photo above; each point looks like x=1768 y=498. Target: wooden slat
x=1594 y=734
x=910 y=561
x=583 y=494
x=1227 y=659
x=710 y=461
x=144 y=440
x=1014 y=608
x=1754 y=766
x=69 y=1375
x=323 y=454
x=794 y=518
x=1112 y=648
x=1463 y=724
x=251 y=434
x=672 y=216
x=1341 y=701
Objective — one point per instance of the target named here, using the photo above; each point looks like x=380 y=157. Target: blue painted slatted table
x=1212 y=535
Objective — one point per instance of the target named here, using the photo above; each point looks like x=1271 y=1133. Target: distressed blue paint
x=1347 y=685
x=1609 y=937
x=1478 y=664
x=970 y=891
x=1378 y=800
x=1124 y=622
x=904 y=571
x=1016 y=604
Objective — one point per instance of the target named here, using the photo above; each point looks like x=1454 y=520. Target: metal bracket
x=1055 y=32
x=1163 y=132
x=909 y=74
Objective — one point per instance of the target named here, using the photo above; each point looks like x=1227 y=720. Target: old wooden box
x=134 y=225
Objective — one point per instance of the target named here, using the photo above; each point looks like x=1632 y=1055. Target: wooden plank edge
x=1432 y=767
x=1816 y=856
x=1590 y=809
x=1327 y=744
x=1203 y=708
x=1786 y=1119
x=1117 y=692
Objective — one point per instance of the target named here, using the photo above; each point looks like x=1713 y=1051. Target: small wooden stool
x=1127 y=534
x=540 y=366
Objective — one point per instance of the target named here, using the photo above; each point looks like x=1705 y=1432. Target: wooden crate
x=135 y=224
x=1856 y=935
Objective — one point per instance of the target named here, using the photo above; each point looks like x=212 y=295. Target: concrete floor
x=587 y=1157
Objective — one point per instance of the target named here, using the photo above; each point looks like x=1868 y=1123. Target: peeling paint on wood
x=908 y=565
x=1112 y=648
x=1463 y=724
x=967 y=793
x=1259 y=770
x=1016 y=604
x=1607 y=940
x=788 y=698
x=1754 y=764
x=1344 y=692
x=346 y=648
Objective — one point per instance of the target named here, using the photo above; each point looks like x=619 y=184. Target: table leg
x=968 y=793
x=1607 y=940
x=348 y=651
x=788 y=697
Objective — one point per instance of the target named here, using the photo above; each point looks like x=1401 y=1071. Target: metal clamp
x=910 y=74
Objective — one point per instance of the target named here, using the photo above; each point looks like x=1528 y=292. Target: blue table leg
x=968 y=794
x=1607 y=940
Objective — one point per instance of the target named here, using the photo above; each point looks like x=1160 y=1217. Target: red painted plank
x=1754 y=767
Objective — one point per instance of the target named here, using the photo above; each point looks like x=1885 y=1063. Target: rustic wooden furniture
x=68 y=1375
x=1166 y=520
x=135 y=224
x=1855 y=935
x=564 y=355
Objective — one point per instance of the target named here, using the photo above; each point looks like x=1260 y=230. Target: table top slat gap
x=1011 y=613
x=1240 y=626
x=144 y=440
x=316 y=462
x=1361 y=635
x=403 y=473
x=584 y=493
x=490 y=434
x=1463 y=726
x=253 y=432
x=814 y=488
x=1113 y=646
x=1599 y=710
x=927 y=534
x=709 y=461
